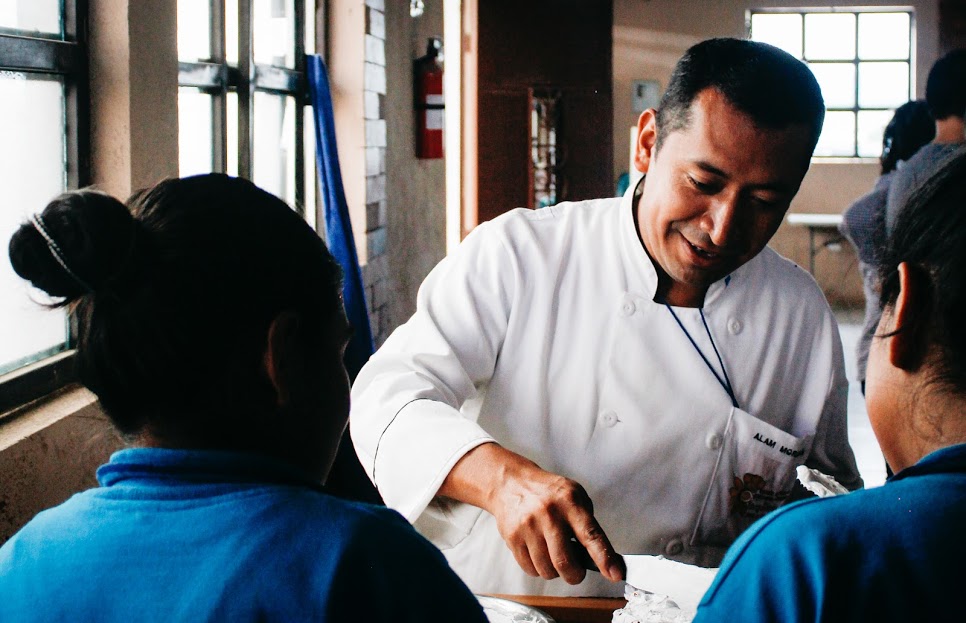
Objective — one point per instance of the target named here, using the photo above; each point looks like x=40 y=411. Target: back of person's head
x=930 y=234
x=910 y=128
x=174 y=294
x=946 y=86
x=772 y=87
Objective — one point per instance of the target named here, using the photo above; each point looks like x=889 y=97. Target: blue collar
x=951 y=459
x=159 y=466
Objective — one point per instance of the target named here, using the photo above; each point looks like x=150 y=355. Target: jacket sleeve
x=406 y=422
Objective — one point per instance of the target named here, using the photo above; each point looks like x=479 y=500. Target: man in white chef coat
x=640 y=374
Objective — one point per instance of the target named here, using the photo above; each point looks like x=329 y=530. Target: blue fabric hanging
x=338 y=228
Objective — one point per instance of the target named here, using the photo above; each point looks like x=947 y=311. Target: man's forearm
x=482 y=474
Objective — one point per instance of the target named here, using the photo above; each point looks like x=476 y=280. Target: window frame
x=855 y=61
x=63 y=55
x=216 y=77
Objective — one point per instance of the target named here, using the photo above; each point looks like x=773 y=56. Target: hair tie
x=38 y=224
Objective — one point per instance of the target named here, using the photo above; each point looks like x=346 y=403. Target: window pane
x=274 y=32
x=31 y=15
x=883 y=85
x=231 y=31
x=194 y=30
x=883 y=35
x=231 y=133
x=780 y=30
x=837 y=81
x=310 y=26
x=829 y=36
x=273 y=154
x=33 y=172
x=311 y=176
x=195 y=123
x=872 y=125
x=838 y=135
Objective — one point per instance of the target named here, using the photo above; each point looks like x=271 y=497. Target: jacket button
x=734 y=326
x=713 y=441
x=674 y=547
x=608 y=419
x=628 y=307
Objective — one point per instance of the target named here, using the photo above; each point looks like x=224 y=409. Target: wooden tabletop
x=572 y=609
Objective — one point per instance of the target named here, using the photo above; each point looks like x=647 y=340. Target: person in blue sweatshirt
x=211 y=328
x=895 y=552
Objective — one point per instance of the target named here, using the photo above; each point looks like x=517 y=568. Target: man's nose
x=723 y=222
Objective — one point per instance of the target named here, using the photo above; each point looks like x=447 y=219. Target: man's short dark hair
x=766 y=83
x=946 y=86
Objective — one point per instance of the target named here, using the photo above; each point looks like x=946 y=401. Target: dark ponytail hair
x=174 y=294
x=930 y=233
x=910 y=128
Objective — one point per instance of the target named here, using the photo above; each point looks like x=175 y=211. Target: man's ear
x=646 y=140
x=910 y=343
x=282 y=355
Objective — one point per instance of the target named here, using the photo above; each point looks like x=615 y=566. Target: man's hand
x=537 y=513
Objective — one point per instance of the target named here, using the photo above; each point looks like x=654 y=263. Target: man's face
x=715 y=193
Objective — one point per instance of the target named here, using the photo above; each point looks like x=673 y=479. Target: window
x=43 y=108
x=861 y=59
x=242 y=94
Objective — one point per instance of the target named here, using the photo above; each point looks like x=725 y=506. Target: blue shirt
x=174 y=535
x=893 y=553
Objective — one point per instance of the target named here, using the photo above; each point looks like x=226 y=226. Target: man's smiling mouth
x=708 y=255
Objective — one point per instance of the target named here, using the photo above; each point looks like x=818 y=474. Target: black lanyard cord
x=725 y=382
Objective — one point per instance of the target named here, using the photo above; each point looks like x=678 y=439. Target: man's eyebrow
x=710 y=168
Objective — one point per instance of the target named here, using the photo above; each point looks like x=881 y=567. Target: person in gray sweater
x=946 y=98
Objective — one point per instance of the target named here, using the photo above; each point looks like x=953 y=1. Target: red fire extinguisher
x=428 y=87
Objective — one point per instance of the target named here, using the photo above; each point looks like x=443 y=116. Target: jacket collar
x=951 y=459
x=641 y=268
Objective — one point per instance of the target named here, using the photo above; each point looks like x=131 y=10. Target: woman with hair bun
x=211 y=328
x=895 y=552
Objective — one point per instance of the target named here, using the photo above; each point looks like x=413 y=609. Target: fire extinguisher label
x=434 y=116
x=434 y=119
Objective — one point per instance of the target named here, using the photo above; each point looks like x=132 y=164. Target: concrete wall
x=650 y=36
x=416 y=192
x=49 y=453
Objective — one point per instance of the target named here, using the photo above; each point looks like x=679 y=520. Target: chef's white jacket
x=541 y=332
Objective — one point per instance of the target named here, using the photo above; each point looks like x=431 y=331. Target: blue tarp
x=338 y=228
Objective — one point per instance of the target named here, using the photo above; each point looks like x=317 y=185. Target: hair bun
x=83 y=241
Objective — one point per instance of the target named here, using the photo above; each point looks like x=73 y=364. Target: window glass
x=310 y=26
x=838 y=134
x=274 y=32
x=194 y=30
x=231 y=133
x=883 y=36
x=829 y=36
x=782 y=30
x=311 y=177
x=883 y=85
x=837 y=81
x=862 y=62
x=40 y=16
x=195 y=123
x=273 y=153
x=231 y=31
x=871 y=126
x=33 y=168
